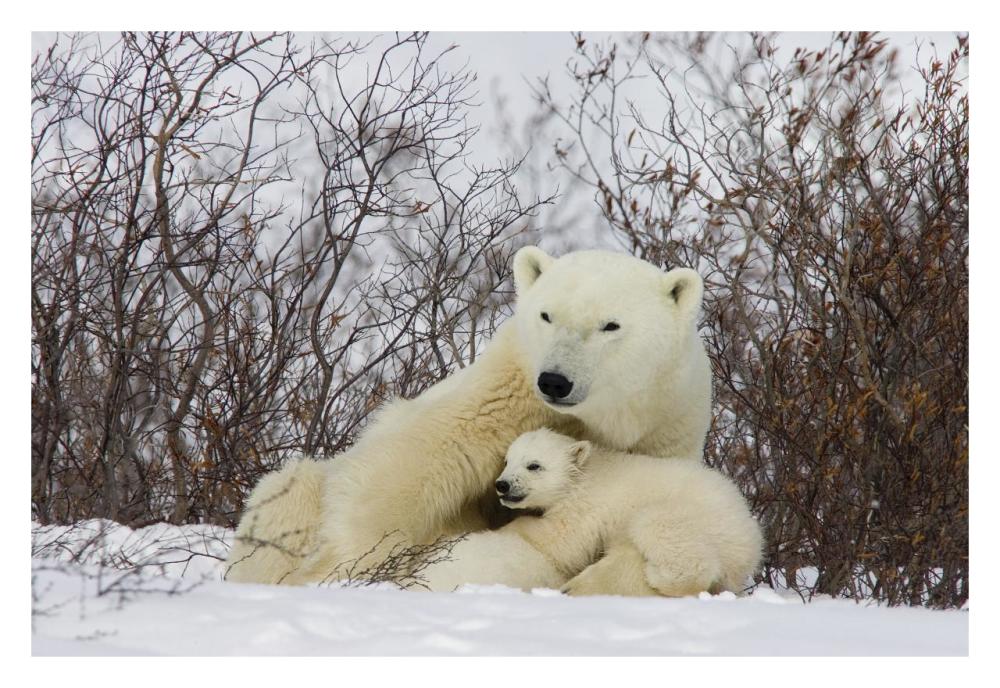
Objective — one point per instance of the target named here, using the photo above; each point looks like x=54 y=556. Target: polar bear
x=602 y=346
x=598 y=504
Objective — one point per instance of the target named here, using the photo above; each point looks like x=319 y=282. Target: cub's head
x=597 y=326
x=541 y=467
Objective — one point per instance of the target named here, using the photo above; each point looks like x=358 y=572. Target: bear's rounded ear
x=529 y=263
x=579 y=452
x=684 y=288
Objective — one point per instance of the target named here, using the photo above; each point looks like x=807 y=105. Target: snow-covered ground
x=103 y=589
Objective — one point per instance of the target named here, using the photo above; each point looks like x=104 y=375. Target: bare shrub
x=403 y=567
x=240 y=246
x=828 y=212
x=110 y=565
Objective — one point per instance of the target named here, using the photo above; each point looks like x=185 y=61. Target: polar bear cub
x=589 y=505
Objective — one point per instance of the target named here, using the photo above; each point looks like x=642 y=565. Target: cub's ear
x=684 y=288
x=579 y=452
x=529 y=263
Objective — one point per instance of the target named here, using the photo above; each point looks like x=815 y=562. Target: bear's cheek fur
x=639 y=354
x=546 y=489
x=608 y=374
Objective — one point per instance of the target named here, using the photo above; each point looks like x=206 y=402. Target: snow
x=102 y=589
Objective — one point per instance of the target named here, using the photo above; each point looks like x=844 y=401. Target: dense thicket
x=239 y=248
x=828 y=210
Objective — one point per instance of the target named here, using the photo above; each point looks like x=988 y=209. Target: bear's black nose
x=554 y=385
x=502 y=486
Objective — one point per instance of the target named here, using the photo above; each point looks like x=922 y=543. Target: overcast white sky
x=507 y=62
x=507 y=59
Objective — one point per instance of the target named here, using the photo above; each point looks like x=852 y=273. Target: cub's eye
x=533 y=466
x=610 y=327
x=545 y=317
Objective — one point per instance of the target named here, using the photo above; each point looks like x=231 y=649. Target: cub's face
x=598 y=326
x=540 y=469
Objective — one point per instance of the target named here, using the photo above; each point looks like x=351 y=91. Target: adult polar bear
x=602 y=346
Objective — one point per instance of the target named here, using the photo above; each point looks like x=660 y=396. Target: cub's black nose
x=502 y=486
x=554 y=385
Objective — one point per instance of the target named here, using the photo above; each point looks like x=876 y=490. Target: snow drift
x=100 y=588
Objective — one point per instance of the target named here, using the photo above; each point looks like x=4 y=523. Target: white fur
x=425 y=467
x=493 y=557
x=278 y=526
x=654 y=526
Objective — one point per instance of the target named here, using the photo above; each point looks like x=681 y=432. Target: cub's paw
x=620 y=572
x=593 y=580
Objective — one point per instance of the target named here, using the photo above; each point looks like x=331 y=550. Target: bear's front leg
x=279 y=526
x=621 y=571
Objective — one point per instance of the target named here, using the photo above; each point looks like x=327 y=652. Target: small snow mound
x=477 y=589
x=725 y=595
x=769 y=596
x=545 y=592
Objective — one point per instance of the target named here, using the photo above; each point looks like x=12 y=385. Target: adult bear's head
x=599 y=327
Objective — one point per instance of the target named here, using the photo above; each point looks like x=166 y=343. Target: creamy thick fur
x=667 y=526
x=425 y=467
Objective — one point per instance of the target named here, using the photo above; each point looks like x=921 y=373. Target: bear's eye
x=610 y=327
x=533 y=466
x=545 y=317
